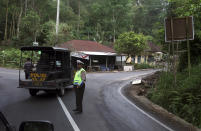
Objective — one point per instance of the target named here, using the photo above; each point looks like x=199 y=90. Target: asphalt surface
x=104 y=106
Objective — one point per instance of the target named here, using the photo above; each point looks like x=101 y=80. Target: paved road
x=105 y=108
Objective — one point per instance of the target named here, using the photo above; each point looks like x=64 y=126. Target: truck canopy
x=43 y=48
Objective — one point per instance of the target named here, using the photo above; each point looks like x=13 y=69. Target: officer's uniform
x=27 y=69
x=79 y=87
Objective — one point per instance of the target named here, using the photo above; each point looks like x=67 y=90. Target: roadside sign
x=181 y=27
x=35 y=43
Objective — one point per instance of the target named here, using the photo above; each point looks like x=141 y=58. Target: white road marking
x=72 y=122
x=163 y=125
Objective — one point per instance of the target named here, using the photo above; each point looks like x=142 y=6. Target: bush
x=142 y=66
x=183 y=100
x=195 y=49
x=11 y=57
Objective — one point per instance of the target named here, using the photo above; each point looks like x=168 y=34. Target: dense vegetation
x=24 y=21
x=143 y=66
x=184 y=99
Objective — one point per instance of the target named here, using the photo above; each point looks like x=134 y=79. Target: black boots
x=77 y=111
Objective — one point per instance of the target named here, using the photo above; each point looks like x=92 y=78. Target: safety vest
x=78 y=78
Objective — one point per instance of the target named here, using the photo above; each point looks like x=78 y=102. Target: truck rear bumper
x=41 y=88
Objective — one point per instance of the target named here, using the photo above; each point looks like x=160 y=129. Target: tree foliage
x=131 y=43
x=31 y=25
x=21 y=21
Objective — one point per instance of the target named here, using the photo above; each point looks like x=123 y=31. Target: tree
x=6 y=25
x=48 y=33
x=31 y=25
x=131 y=43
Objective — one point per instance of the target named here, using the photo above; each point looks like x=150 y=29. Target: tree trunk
x=25 y=11
x=114 y=38
x=35 y=35
x=19 y=19
x=33 y=4
x=6 y=26
x=10 y=30
x=114 y=23
x=138 y=3
x=13 y=25
x=68 y=3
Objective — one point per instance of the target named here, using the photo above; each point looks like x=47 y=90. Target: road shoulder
x=156 y=111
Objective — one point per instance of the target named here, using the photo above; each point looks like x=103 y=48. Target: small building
x=95 y=55
x=150 y=56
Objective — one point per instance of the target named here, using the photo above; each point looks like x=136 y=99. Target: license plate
x=38 y=77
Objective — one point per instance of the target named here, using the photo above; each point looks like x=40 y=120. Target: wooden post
x=168 y=57
x=172 y=41
x=90 y=61
x=188 y=47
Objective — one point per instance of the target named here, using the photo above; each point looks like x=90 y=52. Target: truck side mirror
x=3 y=127
x=36 y=126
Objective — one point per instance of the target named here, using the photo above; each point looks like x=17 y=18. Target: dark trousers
x=27 y=75
x=79 y=92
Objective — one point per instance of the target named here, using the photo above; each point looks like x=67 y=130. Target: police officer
x=28 y=68
x=79 y=85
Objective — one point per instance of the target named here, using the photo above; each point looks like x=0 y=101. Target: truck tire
x=61 y=92
x=33 y=92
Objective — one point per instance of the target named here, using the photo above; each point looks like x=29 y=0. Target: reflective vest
x=78 y=78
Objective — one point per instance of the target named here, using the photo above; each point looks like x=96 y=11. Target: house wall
x=149 y=58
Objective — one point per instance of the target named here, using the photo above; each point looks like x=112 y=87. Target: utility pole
x=57 y=20
x=78 y=25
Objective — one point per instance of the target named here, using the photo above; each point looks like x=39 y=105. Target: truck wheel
x=61 y=92
x=33 y=92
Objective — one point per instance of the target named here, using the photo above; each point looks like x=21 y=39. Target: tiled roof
x=153 y=48
x=85 y=45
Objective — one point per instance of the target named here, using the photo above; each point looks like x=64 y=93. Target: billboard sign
x=180 y=28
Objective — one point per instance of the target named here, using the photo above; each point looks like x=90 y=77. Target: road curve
x=105 y=109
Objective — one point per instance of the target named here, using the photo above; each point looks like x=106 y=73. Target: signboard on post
x=181 y=27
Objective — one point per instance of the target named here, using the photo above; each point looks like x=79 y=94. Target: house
x=150 y=56
x=95 y=55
